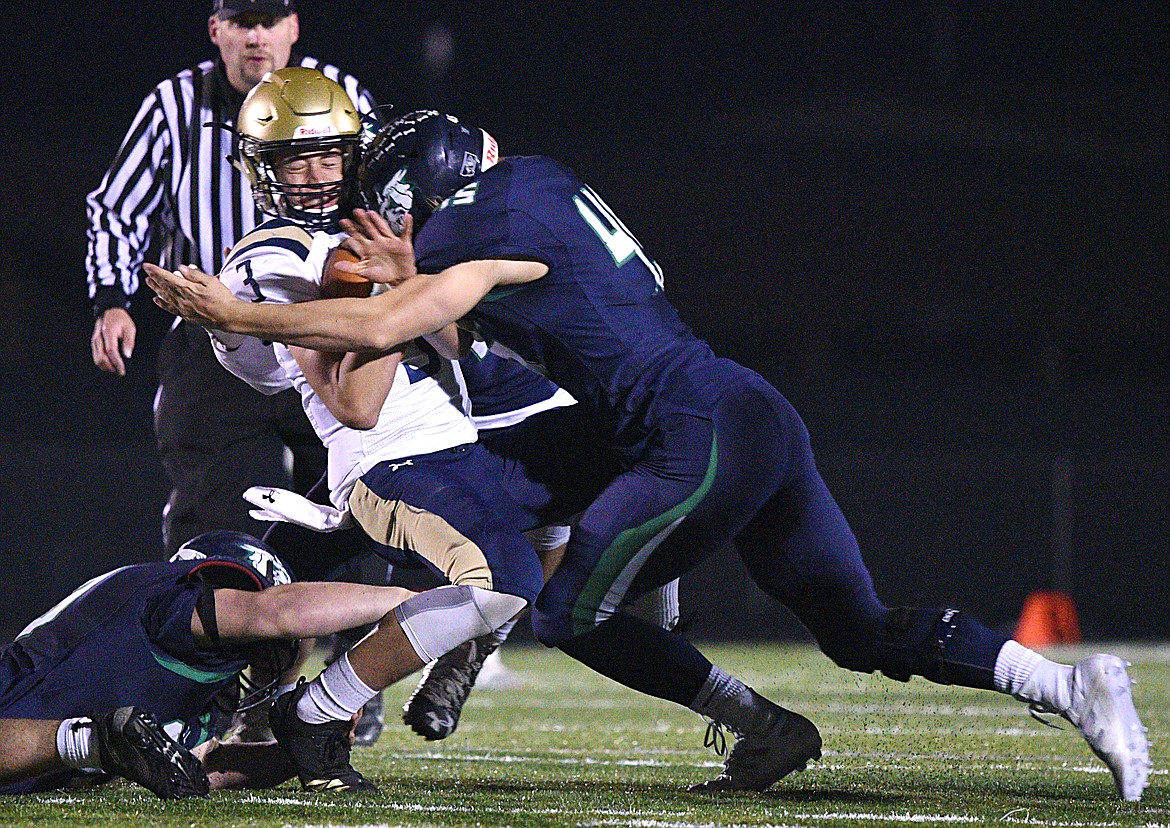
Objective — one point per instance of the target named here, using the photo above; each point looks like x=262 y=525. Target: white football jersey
x=426 y=409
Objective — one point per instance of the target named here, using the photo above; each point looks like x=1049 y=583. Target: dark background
x=940 y=228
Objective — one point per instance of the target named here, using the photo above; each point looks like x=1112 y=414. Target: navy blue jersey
x=598 y=322
x=122 y=638
x=504 y=392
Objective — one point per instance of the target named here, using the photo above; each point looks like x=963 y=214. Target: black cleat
x=320 y=752
x=433 y=709
x=132 y=744
x=756 y=762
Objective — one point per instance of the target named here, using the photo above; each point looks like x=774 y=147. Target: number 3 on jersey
x=250 y=281
x=613 y=234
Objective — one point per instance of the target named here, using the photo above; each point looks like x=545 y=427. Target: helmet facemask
x=315 y=206
x=414 y=163
x=234 y=560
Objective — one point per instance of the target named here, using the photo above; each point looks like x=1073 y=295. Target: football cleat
x=1102 y=710
x=320 y=752
x=371 y=723
x=433 y=709
x=132 y=744
x=756 y=762
x=496 y=675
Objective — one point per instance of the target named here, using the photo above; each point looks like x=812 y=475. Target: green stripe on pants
x=628 y=545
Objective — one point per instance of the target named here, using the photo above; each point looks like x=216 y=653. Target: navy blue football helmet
x=418 y=160
x=234 y=560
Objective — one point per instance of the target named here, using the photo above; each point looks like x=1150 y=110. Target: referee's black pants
x=217 y=436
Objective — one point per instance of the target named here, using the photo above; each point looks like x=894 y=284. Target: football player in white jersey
x=403 y=463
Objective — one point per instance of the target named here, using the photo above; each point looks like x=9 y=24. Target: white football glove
x=290 y=507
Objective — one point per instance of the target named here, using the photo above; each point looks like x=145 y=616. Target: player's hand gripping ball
x=336 y=284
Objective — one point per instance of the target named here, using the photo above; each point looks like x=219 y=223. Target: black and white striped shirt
x=171 y=182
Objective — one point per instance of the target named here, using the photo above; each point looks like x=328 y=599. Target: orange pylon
x=1049 y=617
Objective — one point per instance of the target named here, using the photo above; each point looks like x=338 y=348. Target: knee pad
x=442 y=618
x=552 y=619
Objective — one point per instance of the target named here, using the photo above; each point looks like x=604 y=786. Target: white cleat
x=496 y=675
x=1102 y=710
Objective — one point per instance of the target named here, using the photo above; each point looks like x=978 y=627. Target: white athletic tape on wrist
x=440 y=619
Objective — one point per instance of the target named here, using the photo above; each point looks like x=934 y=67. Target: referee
x=171 y=185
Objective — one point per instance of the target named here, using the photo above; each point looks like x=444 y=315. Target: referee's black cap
x=267 y=8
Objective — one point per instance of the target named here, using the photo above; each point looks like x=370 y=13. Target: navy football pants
x=747 y=474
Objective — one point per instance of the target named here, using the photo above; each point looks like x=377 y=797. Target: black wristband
x=205 y=609
x=109 y=296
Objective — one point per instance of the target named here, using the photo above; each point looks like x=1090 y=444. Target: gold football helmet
x=293 y=111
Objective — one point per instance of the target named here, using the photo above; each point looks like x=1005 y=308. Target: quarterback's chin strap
x=289 y=507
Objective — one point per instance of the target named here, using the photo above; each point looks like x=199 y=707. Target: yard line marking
x=332 y=825
x=507 y=759
x=653 y=823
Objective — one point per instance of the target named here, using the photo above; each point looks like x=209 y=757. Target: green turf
x=573 y=749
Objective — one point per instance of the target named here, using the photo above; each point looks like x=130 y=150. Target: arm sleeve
x=122 y=209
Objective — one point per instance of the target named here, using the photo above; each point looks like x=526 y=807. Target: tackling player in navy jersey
x=403 y=458
x=138 y=658
x=528 y=256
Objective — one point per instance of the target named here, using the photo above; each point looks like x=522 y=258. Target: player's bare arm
x=415 y=308
x=353 y=386
x=191 y=294
x=302 y=610
x=451 y=341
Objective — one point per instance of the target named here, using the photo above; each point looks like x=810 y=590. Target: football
x=335 y=284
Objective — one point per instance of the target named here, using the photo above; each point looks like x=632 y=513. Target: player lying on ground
x=123 y=676
x=524 y=252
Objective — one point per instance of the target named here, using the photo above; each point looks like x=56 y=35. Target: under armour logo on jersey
x=396 y=466
x=441 y=724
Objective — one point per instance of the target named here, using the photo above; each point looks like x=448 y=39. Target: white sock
x=500 y=633
x=335 y=695
x=77 y=746
x=1031 y=677
x=729 y=701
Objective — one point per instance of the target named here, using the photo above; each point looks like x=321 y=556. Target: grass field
x=573 y=749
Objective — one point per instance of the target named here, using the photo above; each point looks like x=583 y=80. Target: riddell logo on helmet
x=491 y=152
x=314 y=132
